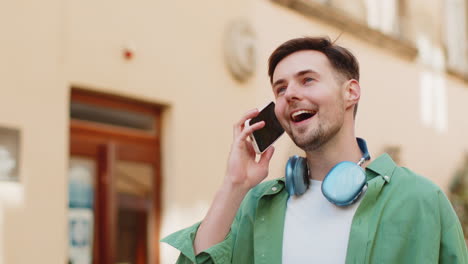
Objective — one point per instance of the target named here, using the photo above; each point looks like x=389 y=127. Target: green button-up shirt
x=402 y=218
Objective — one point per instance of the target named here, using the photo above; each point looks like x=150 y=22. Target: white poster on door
x=80 y=215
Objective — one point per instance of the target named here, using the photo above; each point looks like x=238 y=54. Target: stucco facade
x=50 y=46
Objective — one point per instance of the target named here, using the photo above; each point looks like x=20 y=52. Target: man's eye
x=280 y=90
x=308 y=79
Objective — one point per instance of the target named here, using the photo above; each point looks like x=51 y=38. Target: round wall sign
x=239 y=49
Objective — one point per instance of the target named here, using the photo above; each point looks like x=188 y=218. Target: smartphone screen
x=272 y=130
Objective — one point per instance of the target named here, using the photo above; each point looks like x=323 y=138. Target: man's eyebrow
x=305 y=72
x=278 y=82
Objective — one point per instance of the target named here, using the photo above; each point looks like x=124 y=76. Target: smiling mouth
x=302 y=115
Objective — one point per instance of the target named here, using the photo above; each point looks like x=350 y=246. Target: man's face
x=309 y=99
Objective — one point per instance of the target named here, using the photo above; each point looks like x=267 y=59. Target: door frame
x=105 y=144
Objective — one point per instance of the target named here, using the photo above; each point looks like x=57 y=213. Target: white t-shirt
x=315 y=230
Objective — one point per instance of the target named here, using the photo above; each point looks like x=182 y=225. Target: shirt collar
x=275 y=187
x=384 y=166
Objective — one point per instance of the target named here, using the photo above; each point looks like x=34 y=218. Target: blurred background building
x=116 y=116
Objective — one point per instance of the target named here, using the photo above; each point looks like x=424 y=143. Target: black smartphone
x=266 y=136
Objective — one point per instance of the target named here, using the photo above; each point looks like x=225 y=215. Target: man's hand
x=243 y=171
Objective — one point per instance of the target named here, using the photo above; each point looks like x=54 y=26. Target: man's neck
x=338 y=149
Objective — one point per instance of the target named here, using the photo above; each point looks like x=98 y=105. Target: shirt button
x=263 y=218
x=263 y=255
x=274 y=188
x=386 y=178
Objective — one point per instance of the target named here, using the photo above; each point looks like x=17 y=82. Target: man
x=400 y=218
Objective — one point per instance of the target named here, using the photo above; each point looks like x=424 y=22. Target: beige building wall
x=178 y=62
x=33 y=99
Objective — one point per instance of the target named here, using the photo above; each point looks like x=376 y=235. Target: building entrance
x=114 y=180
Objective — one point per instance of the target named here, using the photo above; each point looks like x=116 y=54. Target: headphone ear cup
x=289 y=175
x=297 y=175
x=301 y=176
x=344 y=183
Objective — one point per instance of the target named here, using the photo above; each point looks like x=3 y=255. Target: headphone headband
x=365 y=152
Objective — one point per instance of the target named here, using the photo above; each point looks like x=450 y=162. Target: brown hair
x=341 y=59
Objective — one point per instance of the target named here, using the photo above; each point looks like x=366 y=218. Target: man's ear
x=352 y=92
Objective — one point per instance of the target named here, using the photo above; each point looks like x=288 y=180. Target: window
x=455 y=37
x=9 y=148
x=382 y=15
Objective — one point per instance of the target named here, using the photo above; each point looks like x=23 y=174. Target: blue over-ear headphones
x=341 y=186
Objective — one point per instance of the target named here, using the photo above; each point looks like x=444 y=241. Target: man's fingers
x=250 y=129
x=266 y=156
x=250 y=148
x=239 y=126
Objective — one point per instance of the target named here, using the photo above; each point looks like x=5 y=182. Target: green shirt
x=402 y=218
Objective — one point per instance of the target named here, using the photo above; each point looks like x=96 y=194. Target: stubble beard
x=315 y=139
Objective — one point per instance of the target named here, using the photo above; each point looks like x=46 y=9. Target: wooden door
x=127 y=184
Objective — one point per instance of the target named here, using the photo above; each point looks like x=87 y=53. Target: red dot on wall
x=128 y=54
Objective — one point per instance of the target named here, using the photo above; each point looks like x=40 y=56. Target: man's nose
x=293 y=92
